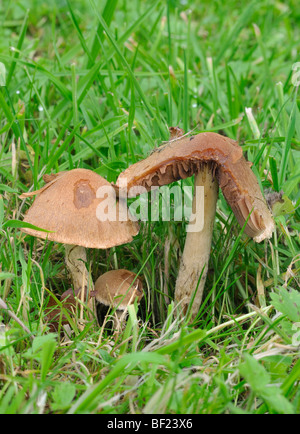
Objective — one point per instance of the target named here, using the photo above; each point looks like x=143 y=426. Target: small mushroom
x=68 y=207
x=116 y=290
x=215 y=160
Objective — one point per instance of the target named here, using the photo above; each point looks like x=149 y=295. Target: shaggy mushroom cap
x=183 y=157
x=118 y=288
x=67 y=206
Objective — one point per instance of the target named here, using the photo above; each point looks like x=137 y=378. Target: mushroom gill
x=183 y=157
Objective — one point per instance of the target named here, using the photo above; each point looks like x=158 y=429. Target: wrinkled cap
x=118 y=288
x=70 y=205
x=183 y=157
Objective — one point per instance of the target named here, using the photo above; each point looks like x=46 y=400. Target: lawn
x=96 y=85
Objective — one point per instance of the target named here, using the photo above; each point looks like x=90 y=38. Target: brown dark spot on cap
x=84 y=194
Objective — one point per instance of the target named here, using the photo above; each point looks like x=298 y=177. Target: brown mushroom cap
x=118 y=288
x=68 y=205
x=181 y=158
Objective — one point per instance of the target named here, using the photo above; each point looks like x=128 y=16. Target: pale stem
x=197 y=247
x=76 y=263
x=120 y=316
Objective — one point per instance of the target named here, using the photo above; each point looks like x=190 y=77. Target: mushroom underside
x=234 y=186
x=183 y=157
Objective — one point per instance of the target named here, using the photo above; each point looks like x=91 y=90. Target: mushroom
x=214 y=159
x=69 y=206
x=116 y=289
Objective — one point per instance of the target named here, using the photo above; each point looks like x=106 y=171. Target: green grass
x=96 y=84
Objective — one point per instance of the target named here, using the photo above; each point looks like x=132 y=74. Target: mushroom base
x=112 y=322
x=194 y=262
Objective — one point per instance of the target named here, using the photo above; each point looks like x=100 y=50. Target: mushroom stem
x=75 y=261
x=119 y=319
x=195 y=257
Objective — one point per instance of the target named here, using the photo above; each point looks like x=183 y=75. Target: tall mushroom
x=116 y=290
x=214 y=159
x=68 y=206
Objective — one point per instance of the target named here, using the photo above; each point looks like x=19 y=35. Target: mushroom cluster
x=67 y=207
